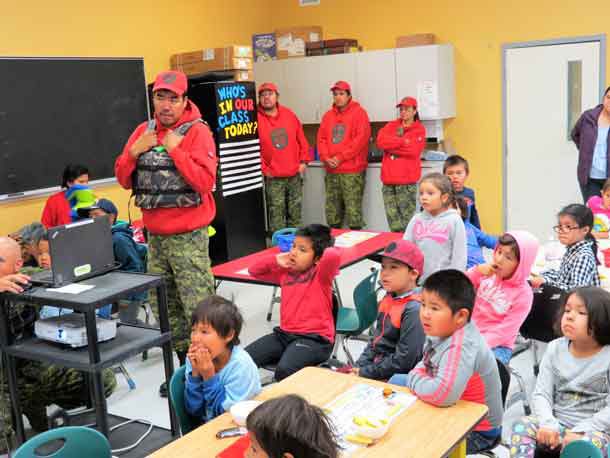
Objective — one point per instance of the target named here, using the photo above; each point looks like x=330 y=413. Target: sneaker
x=163 y=390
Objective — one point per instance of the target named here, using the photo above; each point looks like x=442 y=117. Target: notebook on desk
x=78 y=251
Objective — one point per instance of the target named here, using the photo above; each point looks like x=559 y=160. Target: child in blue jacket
x=476 y=239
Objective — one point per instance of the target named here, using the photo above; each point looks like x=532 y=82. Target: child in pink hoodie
x=504 y=297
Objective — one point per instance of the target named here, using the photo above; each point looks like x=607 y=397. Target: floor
x=144 y=402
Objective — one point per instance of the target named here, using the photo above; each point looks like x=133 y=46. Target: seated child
x=290 y=427
x=219 y=372
x=307 y=330
x=571 y=400
x=504 y=297
x=457 y=362
x=28 y=237
x=600 y=206
x=475 y=237
x=399 y=337
x=457 y=169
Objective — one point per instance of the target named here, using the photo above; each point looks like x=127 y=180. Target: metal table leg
x=168 y=358
x=98 y=385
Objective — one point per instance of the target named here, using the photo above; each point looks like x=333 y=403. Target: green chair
x=581 y=449
x=176 y=396
x=274 y=241
x=352 y=322
x=78 y=442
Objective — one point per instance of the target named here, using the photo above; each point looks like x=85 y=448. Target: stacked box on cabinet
x=291 y=41
x=235 y=58
x=418 y=39
x=335 y=46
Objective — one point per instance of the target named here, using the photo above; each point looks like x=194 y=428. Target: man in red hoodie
x=176 y=210
x=343 y=140
x=284 y=157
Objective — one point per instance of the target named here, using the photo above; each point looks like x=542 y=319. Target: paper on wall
x=284 y=42
x=427 y=98
x=297 y=47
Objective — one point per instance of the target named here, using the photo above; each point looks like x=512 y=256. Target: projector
x=70 y=329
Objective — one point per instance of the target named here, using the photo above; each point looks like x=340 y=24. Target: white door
x=540 y=158
x=300 y=79
x=375 y=85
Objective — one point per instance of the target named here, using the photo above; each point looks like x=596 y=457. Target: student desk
x=236 y=270
x=95 y=357
x=422 y=430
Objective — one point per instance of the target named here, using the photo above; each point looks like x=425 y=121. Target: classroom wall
x=116 y=28
x=477 y=29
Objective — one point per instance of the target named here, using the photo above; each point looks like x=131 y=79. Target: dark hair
x=43 y=236
x=462 y=206
x=583 y=216
x=289 y=424
x=606 y=91
x=320 y=237
x=606 y=185
x=453 y=287
x=508 y=240
x=456 y=159
x=442 y=183
x=72 y=172
x=597 y=302
x=222 y=315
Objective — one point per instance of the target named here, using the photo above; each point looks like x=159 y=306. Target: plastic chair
x=505 y=383
x=581 y=449
x=352 y=322
x=176 y=396
x=78 y=441
x=274 y=241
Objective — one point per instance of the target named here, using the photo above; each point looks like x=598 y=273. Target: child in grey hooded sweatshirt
x=438 y=230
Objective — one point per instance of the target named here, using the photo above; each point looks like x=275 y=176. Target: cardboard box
x=291 y=41
x=264 y=47
x=238 y=63
x=339 y=42
x=220 y=55
x=419 y=39
x=334 y=50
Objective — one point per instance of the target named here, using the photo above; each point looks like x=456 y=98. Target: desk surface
x=232 y=270
x=422 y=430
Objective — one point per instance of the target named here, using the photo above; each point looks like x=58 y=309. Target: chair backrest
x=581 y=449
x=285 y=231
x=78 y=441
x=176 y=396
x=538 y=325
x=365 y=301
x=504 y=380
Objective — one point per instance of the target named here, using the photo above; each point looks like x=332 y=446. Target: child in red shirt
x=307 y=330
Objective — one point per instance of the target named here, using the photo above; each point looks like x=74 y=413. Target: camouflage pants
x=399 y=203
x=185 y=262
x=344 y=199
x=284 y=197
x=39 y=386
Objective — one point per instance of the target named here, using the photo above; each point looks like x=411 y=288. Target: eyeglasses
x=560 y=228
x=173 y=100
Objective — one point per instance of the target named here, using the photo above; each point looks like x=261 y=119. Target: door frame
x=601 y=39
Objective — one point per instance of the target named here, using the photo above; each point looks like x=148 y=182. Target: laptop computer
x=79 y=251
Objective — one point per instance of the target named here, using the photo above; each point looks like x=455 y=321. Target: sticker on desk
x=364 y=405
x=72 y=288
x=349 y=239
x=243 y=272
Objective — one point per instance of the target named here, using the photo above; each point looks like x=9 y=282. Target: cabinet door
x=375 y=87
x=427 y=73
x=333 y=68
x=301 y=79
x=270 y=72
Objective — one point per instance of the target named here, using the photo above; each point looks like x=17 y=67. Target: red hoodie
x=195 y=158
x=283 y=143
x=345 y=135
x=57 y=210
x=402 y=148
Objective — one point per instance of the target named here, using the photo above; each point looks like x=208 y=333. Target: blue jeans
x=503 y=354
x=398 y=379
x=478 y=441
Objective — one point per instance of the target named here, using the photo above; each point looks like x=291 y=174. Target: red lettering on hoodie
x=195 y=158
x=283 y=143
x=402 y=148
x=345 y=135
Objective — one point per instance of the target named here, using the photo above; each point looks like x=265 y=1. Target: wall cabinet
x=378 y=79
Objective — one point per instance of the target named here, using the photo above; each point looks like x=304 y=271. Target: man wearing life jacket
x=171 y=166
x=343 y=140
x=284 y=158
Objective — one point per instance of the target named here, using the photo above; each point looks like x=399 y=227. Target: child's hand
x=192 y=356
x=283 y=260
x=536 y=281
x=548 y=437
x=205 y=365
x=486 y=269
x=171 y=140
x=570 y=436
x=147 y=141
x=356 y=371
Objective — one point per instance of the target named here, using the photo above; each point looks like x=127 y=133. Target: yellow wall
x=113 y=28
x=477 y=29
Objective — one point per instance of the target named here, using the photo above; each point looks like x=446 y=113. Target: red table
x=235 y=270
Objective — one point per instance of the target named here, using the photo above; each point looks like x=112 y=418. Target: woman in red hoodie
x=402 y=141
x=57 y=210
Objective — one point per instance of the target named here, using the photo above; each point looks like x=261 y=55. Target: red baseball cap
x=268 y=87
x=407 y=102
x=403 y=251
x=342 y=86
x=171 y=80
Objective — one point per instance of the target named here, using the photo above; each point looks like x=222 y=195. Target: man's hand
x=570 y=436
x=536 y=281
x=283 y=260
x=171 y=140
x=146 y=141
x=333 y=162
x=302 y=168
x=548 y=437
x=12 y=283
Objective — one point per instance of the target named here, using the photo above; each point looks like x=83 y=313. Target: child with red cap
x=403 y=141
